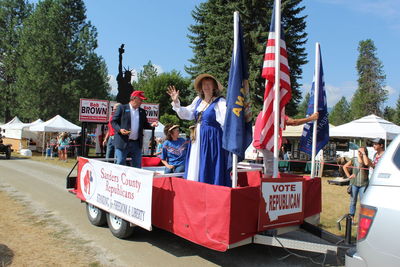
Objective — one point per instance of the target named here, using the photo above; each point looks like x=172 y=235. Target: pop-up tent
x=19 y=136
x=20 y=130
x=16 y=135
x=370 y=126
x=55 y=124
x=15 y=120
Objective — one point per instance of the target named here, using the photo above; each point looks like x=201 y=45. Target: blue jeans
x=133 y=150
x=355 y=191
x=175 y=169
x=110 y=148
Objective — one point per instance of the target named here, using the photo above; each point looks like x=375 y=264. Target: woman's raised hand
x=173 y=93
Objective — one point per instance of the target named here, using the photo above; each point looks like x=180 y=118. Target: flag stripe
x=264 y=130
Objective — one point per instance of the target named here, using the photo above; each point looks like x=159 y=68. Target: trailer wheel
x=119 y=227
x=95 y=215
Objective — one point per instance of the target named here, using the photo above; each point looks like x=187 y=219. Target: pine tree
x=396 y=119
x=389 y=113
x=340 y=113
x=59 y=64
x=148 y=72
x=12 y=16
x=212 y=40
x=371 y=94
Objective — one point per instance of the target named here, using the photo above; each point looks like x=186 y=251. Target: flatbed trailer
x=262 y=211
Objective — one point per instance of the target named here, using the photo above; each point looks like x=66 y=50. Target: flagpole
x=316 y=96
x=277 y=84
x=234 y=156
x=234 y=170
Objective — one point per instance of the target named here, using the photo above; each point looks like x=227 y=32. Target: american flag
x=264 y=127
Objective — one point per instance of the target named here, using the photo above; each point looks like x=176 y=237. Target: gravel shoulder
x=30 y=239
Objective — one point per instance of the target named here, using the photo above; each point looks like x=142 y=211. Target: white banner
x=282 y=198
x=121 y=190
x=92 y=110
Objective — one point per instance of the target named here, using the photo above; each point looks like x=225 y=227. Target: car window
x=396 y=158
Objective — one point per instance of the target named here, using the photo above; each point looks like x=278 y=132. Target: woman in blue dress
x=206 y=160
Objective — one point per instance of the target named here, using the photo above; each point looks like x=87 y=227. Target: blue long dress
x=213 y=158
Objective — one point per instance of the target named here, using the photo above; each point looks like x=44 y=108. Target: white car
x=378 y=234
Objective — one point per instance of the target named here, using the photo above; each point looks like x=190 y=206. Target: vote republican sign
x=93 y=110
x=282 y=202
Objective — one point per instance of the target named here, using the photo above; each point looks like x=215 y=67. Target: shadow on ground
x=6 y=255
x=248 y=255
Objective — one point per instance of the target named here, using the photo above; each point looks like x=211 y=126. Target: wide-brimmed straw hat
x=197 y=82
x=173 y=127
x=168 y=129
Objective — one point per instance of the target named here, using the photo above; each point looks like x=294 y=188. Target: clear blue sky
x=157 y=31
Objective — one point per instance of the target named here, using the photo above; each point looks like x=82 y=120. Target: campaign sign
x=121 y=190
x=92 y=110
x=151 y=111
x=282 y=202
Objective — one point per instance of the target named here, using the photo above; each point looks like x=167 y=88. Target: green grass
x=36 y=156
x=335 y=203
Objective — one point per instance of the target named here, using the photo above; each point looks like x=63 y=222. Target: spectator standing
x=63 y=143
x=359 y=177
x=109 y=138
x=159 y=146
x=152 y=145
x=53 y=145
x=77 y=144
x=379 y=147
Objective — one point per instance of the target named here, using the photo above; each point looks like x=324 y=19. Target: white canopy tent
x=55 y=124
x=18 y=135
x=370 y=126
x=14 y=120
x=20 y=130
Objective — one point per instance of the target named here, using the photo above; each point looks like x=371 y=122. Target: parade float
x=254 y=210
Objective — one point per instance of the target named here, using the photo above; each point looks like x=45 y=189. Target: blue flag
x=238 y=128
x=322 y=123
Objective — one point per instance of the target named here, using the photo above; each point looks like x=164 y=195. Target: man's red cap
x=139 y=94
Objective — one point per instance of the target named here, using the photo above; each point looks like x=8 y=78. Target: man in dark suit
x=128 y=122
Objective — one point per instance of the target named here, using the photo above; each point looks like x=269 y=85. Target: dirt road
x=42 y=186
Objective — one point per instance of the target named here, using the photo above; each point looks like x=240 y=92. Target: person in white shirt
x=128 y=122
x=206 y=160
